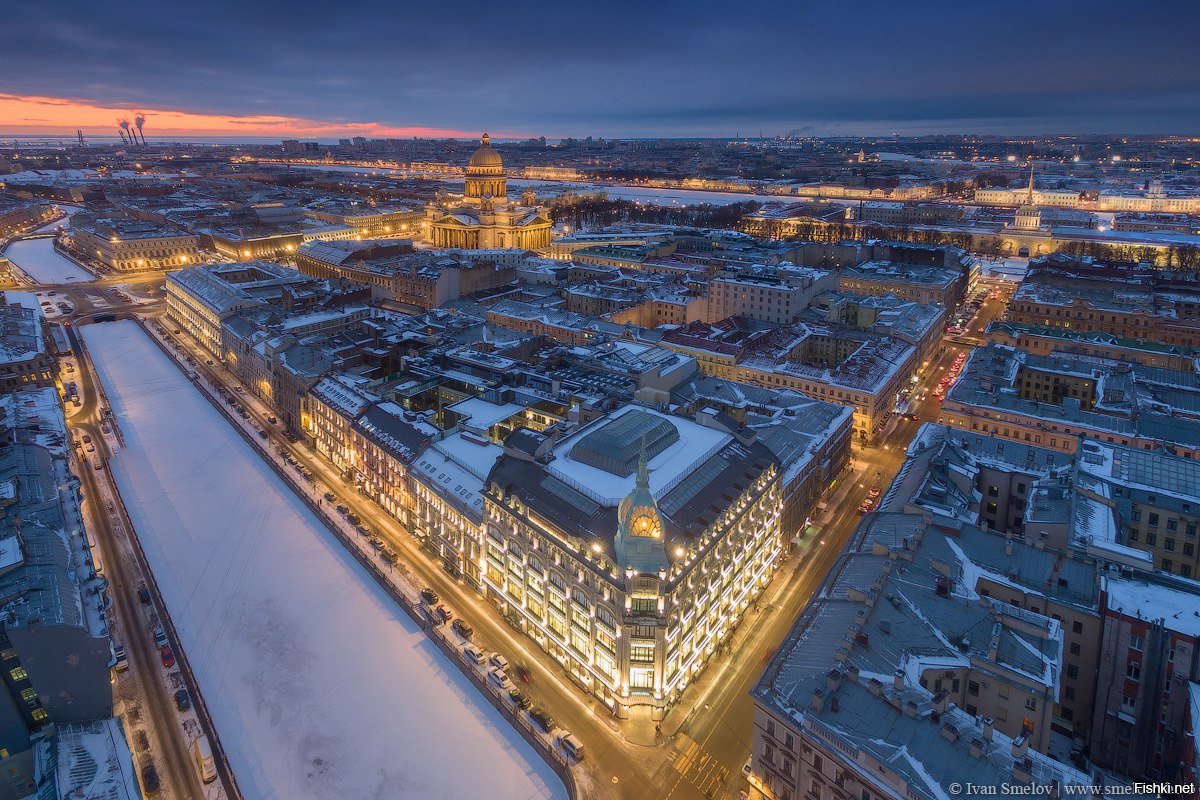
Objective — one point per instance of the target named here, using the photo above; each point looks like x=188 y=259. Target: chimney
x=1020 y=746
x=833 y=680
x=940 y=701
x=987 y=729
x=852 y=672
x=818 y=700
x=875 y=687
x=1008 y=548
x=949 y=732
x=910 y=709
x=976 y=747
x=898 y=679
x=1022 y=772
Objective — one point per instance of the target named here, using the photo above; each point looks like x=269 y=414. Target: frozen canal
x=38 y=259
x=319 y=686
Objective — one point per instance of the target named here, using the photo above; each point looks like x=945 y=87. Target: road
x=706 y=739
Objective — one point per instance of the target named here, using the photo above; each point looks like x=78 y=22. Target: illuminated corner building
x=629 y=550
x=485 y=218
x=132 y=245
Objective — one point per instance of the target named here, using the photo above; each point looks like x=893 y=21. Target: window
x=39 y=714
x=1075 y=648
x=1133 y=670
x=1169 y=544
x=18 y=674
x=1072 y=671
x=993 y=491
x=1128 y=704
x=1031 y=703
x=1154 y=520
x=1077 y=627
x=973 y=688
x=1137 y=643
x=1172 y=524
x=1070 y=692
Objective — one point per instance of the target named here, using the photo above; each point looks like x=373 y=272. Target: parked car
x=168 y=658
x=570 y=745
x=542 y=719
x=499 y=679
x=182 y=701
x=498 y=661
x=429 y=597
x=143 y=594
x=150 y=780
x=441 y=612
x=120 y=661
x=160 y=638
x=462 y=629
x=353 y=518
x=474 y=655
x=330 y=497
x=141 y=741
x=519 y=699
x=389 y=555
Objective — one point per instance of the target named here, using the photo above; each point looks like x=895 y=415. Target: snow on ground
x=319 y=686
x=38 y=259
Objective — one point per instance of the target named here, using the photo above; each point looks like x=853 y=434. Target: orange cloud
x=57 y=116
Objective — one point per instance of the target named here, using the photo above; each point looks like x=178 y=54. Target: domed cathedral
x=485 y=173
x=485 y=218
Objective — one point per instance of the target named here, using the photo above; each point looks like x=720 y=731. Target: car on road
x=272 y=420
x=542 y=719
x=915 y=417
x=570 y=745
x=429 y=597
x=519 y=699
x=474 y=655
x=873 y=492
x=442 y=613
x=87 y=439
x=150 y=781
x=160 y=638
x=182 y=701
x=168 y=657
x=462 y=629
x=120 y=661
x=91 y=448
x=864 y=508
x=498 y=661
x=499 y=678
x=144 y=595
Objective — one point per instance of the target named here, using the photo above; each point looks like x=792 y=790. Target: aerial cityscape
x=665 y=401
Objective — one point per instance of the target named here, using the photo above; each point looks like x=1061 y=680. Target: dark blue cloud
x=655 y=67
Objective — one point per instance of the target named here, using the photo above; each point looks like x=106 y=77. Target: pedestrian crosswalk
x=699 y=768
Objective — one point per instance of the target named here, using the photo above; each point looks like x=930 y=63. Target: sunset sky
x=667 y=68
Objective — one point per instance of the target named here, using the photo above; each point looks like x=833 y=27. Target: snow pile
x=319 y=686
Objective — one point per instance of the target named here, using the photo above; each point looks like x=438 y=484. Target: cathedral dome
x=485 y=156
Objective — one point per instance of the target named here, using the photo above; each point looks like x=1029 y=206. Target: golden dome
x=485 y=156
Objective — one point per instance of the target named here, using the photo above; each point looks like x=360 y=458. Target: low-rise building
x=131 y=245
x=1056 y=401
x=825 y=361
x=771 y=294
x=25 y=360
x=901 y=679
x=920 y=284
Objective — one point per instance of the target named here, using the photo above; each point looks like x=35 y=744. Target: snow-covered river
x=38 y=259
x=319 y=685
x=641 y=194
